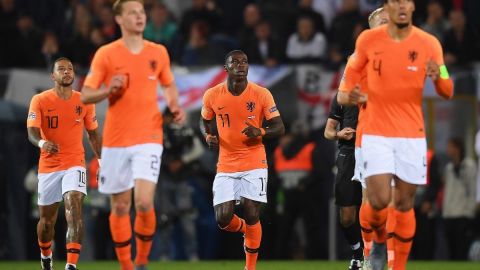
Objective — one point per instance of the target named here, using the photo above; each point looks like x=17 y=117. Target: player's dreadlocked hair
x=117 y=6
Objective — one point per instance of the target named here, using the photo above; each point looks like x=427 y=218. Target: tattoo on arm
x=95 y=142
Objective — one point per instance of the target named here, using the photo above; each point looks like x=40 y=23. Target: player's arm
x=36 y=139
x=115 y=88
x=207 y=118
x=171 y=96
x=331 y=129
x=438 y=72
x=349 y=90
x=274 y=128
x=95 y=141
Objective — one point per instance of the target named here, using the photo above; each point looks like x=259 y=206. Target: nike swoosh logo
x=81 y=186
x=377 y=53
x=117 y=68
x=262 y=194
x=219 y=108
x=51 y=110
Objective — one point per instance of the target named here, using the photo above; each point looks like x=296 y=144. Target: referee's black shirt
x=347 y=116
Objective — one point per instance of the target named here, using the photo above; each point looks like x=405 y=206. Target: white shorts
x=358 y=174
x=404 y=157
x=121 y=166
x=232 y=186
x=52 y=186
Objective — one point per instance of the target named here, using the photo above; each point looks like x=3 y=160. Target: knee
x=379 y=203
x=251 y=217
x=47 y=224
x=403 y=204
x=121 y=208
x=223 y=218
x=143 y=204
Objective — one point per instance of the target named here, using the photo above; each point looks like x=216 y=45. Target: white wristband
x=41 y=143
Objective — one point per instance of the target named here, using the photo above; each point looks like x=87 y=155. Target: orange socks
x=73 y=252
x=121 y=230
x=367 y=232
x=253 y=237
x=45 y=248
x=404 y=233
x=236 y=225
x=391 y=223
x=145 y=223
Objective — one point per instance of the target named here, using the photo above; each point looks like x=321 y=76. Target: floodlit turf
x=238 y=265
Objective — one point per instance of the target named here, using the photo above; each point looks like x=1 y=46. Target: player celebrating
x=55 y=124
x=132 y=146
x=397 y=57
x=239 y=107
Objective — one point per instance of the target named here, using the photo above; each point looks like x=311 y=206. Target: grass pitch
x=238 y=265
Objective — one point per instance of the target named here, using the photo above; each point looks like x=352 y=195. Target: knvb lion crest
x=153 y=65
x=250 y=106
x=412 y=55
x=78 y=110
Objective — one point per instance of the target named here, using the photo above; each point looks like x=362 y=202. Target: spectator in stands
x=343 y=26
x=263 y=48
x=28 y=43
x=251 y=17
x=80 y=49
x=436 y=24
x=50 y=49
x=305 y=8
x=201 y=10
x=459 y=199
x=106 y=22
x=97 y=38
x=200 y=51
x=460 y=41
x=160 y=28
x=306 y=45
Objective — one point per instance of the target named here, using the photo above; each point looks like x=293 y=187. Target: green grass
x=238 y=265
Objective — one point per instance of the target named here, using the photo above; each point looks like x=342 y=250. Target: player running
x=239 y=107
x=55 y=124
x=131 y=67
x=398 y=57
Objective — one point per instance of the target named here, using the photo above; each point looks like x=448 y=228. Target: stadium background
x=36 y=32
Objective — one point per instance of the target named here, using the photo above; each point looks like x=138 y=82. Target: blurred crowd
x=271 y=32
x=200 y=32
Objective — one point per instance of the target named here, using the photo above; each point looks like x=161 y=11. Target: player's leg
x=391 y=223
x=146 y=162
x=116 y=179
x=254 y=191
x=348 y=196
x=74 y=190
x=226 y=187
x=253 y=232
x=73 y=201
x=49 y=196
x=405 y=222
x=121 y=227
x=45 y=232
x=145 y=219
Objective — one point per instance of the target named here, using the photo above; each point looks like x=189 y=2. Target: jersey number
x=52 y=121
x=225 y=119
x=377 y=66
x=81 y=178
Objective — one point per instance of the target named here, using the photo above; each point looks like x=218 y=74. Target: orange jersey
x=134 y=118
x=61 y=121
x=362 y=114
x=396 y=73
x=237 y=152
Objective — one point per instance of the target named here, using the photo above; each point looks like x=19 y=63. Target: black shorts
x=347 y=192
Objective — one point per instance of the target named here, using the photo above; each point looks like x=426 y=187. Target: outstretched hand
x=346 y=133
x=251 y=131
x=50 y=147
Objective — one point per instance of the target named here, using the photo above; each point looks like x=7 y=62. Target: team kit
x=376 y=117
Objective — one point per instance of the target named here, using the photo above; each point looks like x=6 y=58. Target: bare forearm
x=342 y=98
x=207 y=129
x=171 y=95
x=274 y=128
x=34 y=135
x=95 y=142
x=90 y=95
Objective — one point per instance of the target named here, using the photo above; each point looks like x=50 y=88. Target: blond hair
x=374 y=14
x=117 y=6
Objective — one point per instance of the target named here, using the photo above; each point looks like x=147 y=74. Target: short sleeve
x=270 y=110
x=90 y=119
x=34 y=118
x=356 y=63
x=165 y=76
x=335 y=110
x=207 y=110
x=98 y=70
